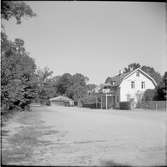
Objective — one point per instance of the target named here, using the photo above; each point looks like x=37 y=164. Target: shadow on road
x=112 y=163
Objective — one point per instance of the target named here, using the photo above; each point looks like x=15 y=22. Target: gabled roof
x=120 y=77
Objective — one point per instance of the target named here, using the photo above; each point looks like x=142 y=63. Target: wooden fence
x=153 y=105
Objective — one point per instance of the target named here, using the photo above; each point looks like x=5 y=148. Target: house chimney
x=120 y=72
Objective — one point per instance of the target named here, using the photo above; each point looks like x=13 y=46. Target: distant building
x=61 y=100
x=128 y=86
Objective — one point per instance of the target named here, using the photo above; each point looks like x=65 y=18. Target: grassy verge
x=7 y=115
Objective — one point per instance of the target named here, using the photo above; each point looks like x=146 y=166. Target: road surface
x=58 y=135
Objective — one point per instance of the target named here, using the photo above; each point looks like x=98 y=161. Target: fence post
x=156 y=106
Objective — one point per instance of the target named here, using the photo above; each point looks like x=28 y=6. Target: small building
x=128 y=87
x=61 y=100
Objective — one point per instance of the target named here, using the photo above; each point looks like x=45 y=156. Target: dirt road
x=78 y=136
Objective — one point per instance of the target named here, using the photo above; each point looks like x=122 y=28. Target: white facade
x=133 y=86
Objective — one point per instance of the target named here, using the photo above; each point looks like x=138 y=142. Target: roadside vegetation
x=23 y=83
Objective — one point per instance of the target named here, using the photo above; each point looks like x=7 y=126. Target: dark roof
x=118 y=78
x=60 y=98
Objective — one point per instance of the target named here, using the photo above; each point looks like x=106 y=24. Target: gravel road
x=58 y=135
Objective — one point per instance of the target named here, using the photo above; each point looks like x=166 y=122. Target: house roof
x=120 y=77
x=60 y=98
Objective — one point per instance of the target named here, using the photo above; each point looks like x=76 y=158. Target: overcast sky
x=94 y=38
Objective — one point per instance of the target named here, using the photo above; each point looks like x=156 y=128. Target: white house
x=130 y=86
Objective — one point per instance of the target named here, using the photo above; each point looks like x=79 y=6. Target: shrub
x=149 y=95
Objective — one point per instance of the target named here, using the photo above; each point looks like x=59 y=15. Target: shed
x=61 y=100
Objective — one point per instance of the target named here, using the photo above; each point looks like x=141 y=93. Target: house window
x=142 y=85
x=132 y=84
x=138 y=74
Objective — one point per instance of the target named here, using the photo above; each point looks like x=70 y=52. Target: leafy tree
x=131 y=66
x=78 y=88
x=149 y=95
x=108 y=80
x=46 y=84
x=76 y=91
x=17 y=75
x=154 y=74
x=73 y=86
x=18 y=81
x=44 y=75
x=17 y=10
x=161 y=91
x=64 y=82
x=91 y=87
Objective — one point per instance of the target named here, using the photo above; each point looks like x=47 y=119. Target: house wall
x=126 y=92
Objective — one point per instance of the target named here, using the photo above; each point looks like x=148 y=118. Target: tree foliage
x=17 y=10
x=149 y=95
x=153 y=73
x=161 y=91
x=46 y=84
x=131 y=67
x=73 y=86
x=108 y=80
x=18 y=81
x=91 y=87
x=64 y=82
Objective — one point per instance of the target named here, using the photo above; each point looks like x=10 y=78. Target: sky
x=96 y=38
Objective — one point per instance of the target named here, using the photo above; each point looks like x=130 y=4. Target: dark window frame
x=132 y=84
x=143 y=85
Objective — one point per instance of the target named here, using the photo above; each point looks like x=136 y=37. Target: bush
x=149 y=95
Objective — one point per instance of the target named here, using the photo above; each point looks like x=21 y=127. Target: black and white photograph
x=83 y=83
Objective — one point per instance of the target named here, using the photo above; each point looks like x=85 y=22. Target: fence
x=154 y=105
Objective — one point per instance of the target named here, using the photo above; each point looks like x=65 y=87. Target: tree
x=46 y=84
x=161 y=91
x=76 y=91
x=64 y=82
x=91 y=87
x=17 y=10
x=154 y=74
x=44 y=75
x=149 y=95
x=131 y=67
x=18 y=80
x=78 y=88
x=108 y=80
x=17 y=75
x=73 y=86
